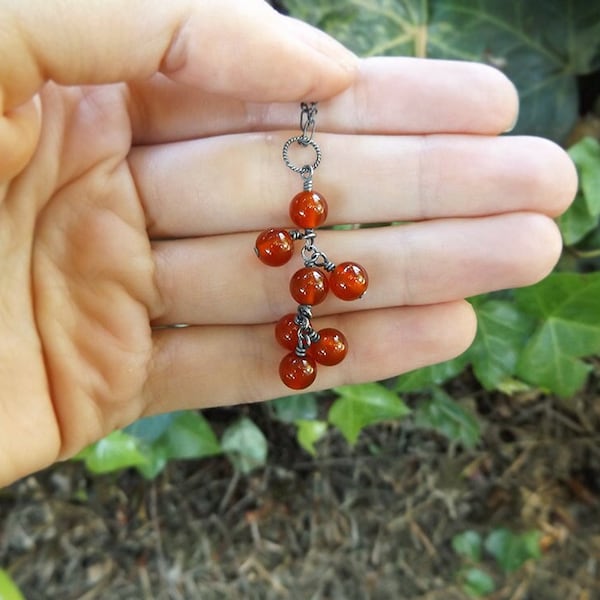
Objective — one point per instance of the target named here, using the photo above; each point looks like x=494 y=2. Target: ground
x=374 y=522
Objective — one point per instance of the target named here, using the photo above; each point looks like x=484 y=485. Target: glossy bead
x=349 y=281
x=286 y=331
x=274 y=247
x=308 y=209
x=331 y=349
x=309 y=286
x=296 y=372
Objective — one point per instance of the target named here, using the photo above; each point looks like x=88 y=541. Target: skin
x=139 y=158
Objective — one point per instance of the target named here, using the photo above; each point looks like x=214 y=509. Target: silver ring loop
x=301 y=140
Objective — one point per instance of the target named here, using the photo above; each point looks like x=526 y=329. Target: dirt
x=374 y=522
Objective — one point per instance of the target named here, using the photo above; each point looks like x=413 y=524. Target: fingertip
x=501 y=97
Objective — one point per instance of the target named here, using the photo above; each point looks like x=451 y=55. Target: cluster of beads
x=309 y=286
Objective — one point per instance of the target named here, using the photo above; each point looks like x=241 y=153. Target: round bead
x=274 y=247
x=286 y=331
x=349 y=281
x=309 y=286
x=331 y=349
x=308 y=209
x=297 y=372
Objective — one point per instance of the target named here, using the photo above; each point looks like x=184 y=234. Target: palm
x=92 y=293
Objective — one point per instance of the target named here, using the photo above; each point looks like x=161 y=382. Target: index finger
x=389 y=96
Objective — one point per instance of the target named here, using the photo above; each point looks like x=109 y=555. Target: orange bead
x=286 y=331
x=331 y=349
x=274 y=247
x=297 y=372
x=308 y=209
x=349 y=281
x=309 y=286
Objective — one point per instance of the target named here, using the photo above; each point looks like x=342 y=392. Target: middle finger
x=239 y=183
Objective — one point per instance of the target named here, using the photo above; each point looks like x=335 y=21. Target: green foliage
x=542 y=45
x=150 y=443
x=468 y=544
x=502 y=329
x=443 y=414
x=8 y=588
x=362 y=405
x=309 y=433
x=513 y=550
x=476 y=582
x=432 y=376
x=295 y=408
x=583 y=216
x=245 y=445
x=566 y=306
x=510 y=551
x=116 y=451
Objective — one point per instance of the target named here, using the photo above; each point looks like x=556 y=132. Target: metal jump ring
x=300 y=139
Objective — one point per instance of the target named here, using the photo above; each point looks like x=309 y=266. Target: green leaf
x=116 y=451
x=432 y=376
x=583 y=215
x=513 y=550
x=362 y=405
x=8 y=588
x=149 y=429
x=542 y=45
x=310 y=432
x=245 y=445
x=502 y=329
x=443 y=414
x=567 y=306
x=468 y=544
x=294 y=408
x=476 y=582
x=189 y=436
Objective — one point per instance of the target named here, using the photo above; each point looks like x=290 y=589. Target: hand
x=140 y=154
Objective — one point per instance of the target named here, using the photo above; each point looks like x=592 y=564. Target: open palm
x=129 y=207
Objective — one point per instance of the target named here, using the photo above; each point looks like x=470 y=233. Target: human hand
x=125 y=207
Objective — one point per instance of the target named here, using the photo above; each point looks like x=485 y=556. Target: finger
x=191 y=364
x=219 y=280
x=240 y=183
x=199 y=43
x=390 y=95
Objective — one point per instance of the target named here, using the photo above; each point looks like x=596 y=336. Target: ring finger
x=218 y=280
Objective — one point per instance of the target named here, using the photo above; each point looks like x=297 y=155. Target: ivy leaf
x=448 y=417
x=310 y=432
x=502 y=329
x=468 y=544
x=362 y=405
x=512 y=550
x=583 y=215
x=567 y=308
x=8 y=588
x=542 y=45
x=116 y=451
x=189 y=436
x=476 y=582
x=294 y=408
x=149 y=429
x=432 y=376
x=245 y=445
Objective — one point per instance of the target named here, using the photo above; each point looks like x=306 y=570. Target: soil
x=370 y=522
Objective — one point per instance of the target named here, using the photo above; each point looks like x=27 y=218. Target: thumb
x=239 y=48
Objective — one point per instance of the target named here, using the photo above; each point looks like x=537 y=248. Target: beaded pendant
x=310 y=285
